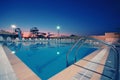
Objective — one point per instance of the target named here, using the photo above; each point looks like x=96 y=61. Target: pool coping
x=20 y=69
x=6 y=70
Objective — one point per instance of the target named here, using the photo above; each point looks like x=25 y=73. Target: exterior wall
x=112 y=37
x=99 y=37
x=109 y=37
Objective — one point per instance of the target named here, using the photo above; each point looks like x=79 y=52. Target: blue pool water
x=46 y=59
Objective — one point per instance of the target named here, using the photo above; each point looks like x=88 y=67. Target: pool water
x=46 y=60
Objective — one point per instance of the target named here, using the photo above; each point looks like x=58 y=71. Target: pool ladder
x=78 y=44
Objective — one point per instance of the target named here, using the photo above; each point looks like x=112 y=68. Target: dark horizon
x=81 y=17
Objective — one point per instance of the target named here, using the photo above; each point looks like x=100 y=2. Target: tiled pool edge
x=68 y=73
x=6 y=70
x=21 y=70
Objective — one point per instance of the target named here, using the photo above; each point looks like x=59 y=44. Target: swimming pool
x=46 y=59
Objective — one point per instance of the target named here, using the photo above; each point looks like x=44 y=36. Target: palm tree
x=34 y=31
x=41 y=35
x=49 y=35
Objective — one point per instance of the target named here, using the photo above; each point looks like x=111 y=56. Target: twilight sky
x=82 y=17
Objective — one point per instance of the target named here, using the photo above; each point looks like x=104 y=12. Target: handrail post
x=70 y=51
x=78 y=49
x=116 y=60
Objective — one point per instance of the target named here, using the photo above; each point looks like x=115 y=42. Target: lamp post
x=58 y=29
x=13 y=27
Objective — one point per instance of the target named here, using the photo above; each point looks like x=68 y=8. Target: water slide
x=19 y=33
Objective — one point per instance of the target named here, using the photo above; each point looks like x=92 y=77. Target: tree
x=74 y=36
x=34 y=32
x=41 y=35
x=49 y=35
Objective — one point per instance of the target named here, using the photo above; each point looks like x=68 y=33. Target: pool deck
x=89 y=68
x=6 y=70
x=16 y=69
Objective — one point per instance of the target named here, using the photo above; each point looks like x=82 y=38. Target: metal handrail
x=116 y=58
x=71 y=50
x=78 y=50
x=116 y=61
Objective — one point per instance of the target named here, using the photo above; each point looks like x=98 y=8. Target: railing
x=116 y=53
x=69 y=51
x=116 y=56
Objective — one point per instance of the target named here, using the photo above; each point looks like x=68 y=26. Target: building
x=108 y=37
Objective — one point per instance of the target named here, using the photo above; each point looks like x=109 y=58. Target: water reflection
x=58 y=52
x=34 y=45
x=37 y=45
x=13 y=45
x=13 y=52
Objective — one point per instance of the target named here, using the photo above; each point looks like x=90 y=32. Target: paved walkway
x=6 y=71
x=87 y=71
x=89 y=68
x=111 y=62
x=21 y=70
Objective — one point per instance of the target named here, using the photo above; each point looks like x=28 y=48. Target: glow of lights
x=13 y=52
x=13 y=26
x=58 y=27
x=58 y=53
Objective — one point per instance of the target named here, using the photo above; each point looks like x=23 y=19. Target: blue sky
x=82 y=17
